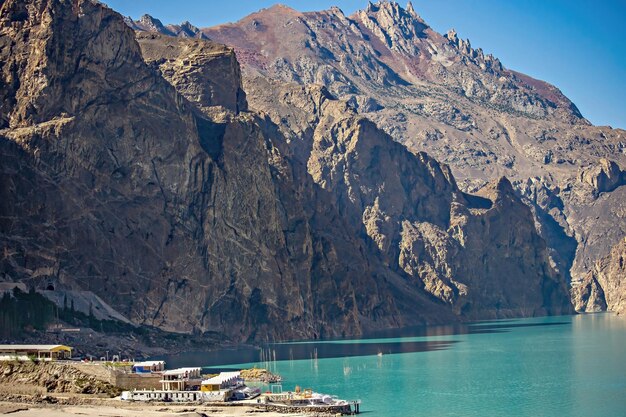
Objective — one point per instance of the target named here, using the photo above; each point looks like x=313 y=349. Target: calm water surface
x=553 y=366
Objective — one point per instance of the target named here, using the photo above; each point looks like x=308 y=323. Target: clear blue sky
x=577 y=45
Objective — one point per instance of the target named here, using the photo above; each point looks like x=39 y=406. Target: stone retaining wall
x=136 y=381
x=329 y=409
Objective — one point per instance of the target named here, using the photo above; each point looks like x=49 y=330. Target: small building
x=39 y=352
x=223 y=381
x=148 y=367
x=169 y=396
x=181 y=379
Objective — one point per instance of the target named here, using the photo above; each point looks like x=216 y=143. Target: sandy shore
x=116 y=408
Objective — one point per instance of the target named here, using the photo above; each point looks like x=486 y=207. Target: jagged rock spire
x=411 y=10
x=152 y=23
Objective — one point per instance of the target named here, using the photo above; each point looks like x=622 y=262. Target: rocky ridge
x=437 y=93
x=133 y=169
x=148 y=23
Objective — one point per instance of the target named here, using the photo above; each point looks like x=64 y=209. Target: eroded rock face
x=480 y=255
x=205 y=73
x=167 y=208
x=439 y=94
x=151 y=185
x=603 y=177
x=604 y=288
x=56 y=377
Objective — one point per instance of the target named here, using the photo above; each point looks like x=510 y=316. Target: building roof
x=13 y=348
x=180 y=371
x=221 y=378
x=149 y=363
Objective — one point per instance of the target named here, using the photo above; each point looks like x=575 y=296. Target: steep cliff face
x=111 y=182
x=205 y=73
x=480 y=255
x=134 y=171
x=604 y=288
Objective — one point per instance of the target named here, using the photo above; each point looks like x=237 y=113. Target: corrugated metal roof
x=180 y=371
x=221 y=378
x=33 y=347
x=149 y=363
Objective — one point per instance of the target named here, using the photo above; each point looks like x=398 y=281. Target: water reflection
x=312 y=351
x=469 y=328
x=500 y=326
x=374 y=343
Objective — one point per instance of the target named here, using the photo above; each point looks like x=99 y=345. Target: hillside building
x=39 y=352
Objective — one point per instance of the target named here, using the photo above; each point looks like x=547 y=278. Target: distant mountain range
x=355 y=173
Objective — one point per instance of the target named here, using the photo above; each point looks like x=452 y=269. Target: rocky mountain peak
x=396 y=27
x=410 y=9
x=452 y=36
x=147 y=23
x=393 y=10
x=281 y=9
x=152 y=24
x=337 y=12
x=189 y=29
x=486 y=62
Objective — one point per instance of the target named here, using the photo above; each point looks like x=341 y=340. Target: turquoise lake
x=549 y=366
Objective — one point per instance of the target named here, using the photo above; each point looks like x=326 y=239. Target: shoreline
x=91 y=406
x=68 y=389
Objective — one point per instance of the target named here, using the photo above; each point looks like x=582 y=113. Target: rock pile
x=54 y=377
x=260 y=375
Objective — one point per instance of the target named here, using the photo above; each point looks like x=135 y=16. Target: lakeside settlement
x=52 y=368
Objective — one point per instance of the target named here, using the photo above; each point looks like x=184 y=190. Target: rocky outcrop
x=205 y=73
x=603 y=177
x=604 y=287
x=54 y=377
x=487 y=62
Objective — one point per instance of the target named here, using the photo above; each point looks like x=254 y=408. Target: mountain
x=436 y=93
x=141 y=168
x=148 y=23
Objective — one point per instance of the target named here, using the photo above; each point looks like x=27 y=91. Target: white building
x=225 y=380
x=181 y=379
x=39 y=352
x=147 y=367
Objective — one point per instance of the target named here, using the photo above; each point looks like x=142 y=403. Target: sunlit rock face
x=604 y=287
x=439 y=94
